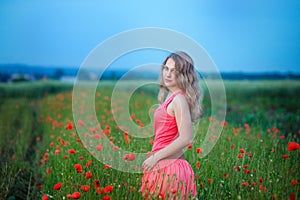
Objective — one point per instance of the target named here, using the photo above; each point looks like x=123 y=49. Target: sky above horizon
x=250 y=36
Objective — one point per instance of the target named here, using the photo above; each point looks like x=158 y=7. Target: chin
x=168 y=85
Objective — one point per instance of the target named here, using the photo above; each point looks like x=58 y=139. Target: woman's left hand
x=149 y=163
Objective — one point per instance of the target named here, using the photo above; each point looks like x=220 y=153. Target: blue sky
x=239 y=35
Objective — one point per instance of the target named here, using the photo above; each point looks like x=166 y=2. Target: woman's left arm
x=184 y=124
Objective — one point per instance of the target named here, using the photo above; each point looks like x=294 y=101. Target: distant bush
x=32 y=89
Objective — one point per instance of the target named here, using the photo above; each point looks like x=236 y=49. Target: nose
x=168 y=73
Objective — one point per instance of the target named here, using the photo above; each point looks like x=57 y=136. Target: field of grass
x=43 y=157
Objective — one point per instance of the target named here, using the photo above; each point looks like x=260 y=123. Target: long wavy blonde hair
x=187 y=80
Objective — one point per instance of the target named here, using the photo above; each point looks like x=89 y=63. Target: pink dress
x=169 y=178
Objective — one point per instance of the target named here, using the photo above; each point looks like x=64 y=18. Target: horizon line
x=120 y=68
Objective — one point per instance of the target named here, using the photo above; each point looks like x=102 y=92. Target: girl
x=166 y=173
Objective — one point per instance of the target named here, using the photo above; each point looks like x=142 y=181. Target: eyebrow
x=170 y=67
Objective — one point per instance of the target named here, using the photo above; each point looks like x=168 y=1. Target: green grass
x=19 y=134
x=32 y=90
x=269 y=108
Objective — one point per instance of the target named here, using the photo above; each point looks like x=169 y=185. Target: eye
x=167 y=69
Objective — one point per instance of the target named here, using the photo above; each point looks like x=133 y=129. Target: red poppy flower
x=45 y=197
x=151 y=142
x=96 y=183
x=236 y=131
x=48 y=119
x=242 y=151
x=293 y=182
x=293 y=196
x=78 y=168
x=88 y=175
x=97 y=136
x=99 y=190
x=57 y=151
x=129 y=157
x=245 y=184
x=161 y=196
x=81 y=157
x=46 y=155
x=263 y=188
x=202 y=185
x=174 y=191
x=106 y=198
x=115 y=148
x=93 y=130
x=80 y=123
x=99 y=147
x=106 y=166
x=85 y=188
x=199 y=150
x=285 y=156
x=198 y=164
x=69 y=126
x=292 y=146
x=72 y=151
x=75 y=195
x=57 y=186
x=62 y=142
x=38 y=187
x=132 y=116
x=108 y=188
x=88 y=163
x=224 y=124
x=126 y=137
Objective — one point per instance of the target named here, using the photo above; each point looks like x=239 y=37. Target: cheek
x=173 y=77
x=163 y=72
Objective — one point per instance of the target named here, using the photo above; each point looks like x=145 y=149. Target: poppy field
x=43 y=156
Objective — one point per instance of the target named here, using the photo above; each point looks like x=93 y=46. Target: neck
x=172 y=90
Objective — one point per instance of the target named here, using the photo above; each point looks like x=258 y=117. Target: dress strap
x=166 y=103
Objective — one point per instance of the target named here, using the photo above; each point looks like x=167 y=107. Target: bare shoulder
x=180 y=101
x=181 y=108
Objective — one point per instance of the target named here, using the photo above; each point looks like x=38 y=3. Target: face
x=168 y=75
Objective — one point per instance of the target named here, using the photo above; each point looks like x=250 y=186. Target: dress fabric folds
x=169 y=178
